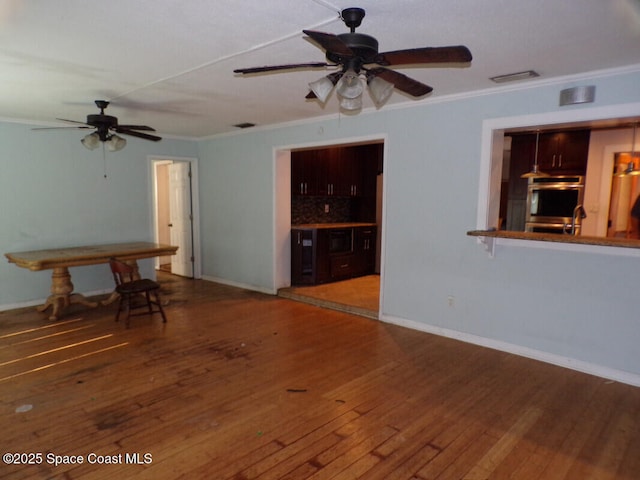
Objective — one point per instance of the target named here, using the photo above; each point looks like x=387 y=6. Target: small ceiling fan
x=356 y=54
x=106 y=127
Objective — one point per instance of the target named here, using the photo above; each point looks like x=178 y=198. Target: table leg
x=61 y=294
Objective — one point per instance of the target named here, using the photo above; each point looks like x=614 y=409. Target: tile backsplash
x=311 y=209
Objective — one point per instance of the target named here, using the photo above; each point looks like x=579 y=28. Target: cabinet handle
x=344 y=265
x=560 y=160
x=553 y=161
x=298 y=238
x=305 y=188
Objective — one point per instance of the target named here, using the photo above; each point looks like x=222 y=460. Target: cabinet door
x=573 y=152
x=303 y=249
x=330 y=171
x=322 y=265
x=304 y=172
x=523 y=149
x=564 y=153
x=365 y=249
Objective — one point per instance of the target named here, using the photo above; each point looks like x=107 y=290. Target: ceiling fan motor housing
x=363 y=46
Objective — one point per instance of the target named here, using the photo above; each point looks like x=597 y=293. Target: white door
x=180 y=218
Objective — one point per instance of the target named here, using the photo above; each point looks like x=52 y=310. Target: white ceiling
x=169 y=64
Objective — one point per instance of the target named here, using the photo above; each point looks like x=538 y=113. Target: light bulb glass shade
x=115 y=143
x=351 y=104
x=380 y=90
x=350 y=86
x=91 y=141
x=322 y=88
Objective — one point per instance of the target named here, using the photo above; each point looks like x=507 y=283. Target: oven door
x=549 y=204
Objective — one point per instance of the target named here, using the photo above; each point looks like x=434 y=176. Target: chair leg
x=119 y=308
x=156 y=294
x=127 y=308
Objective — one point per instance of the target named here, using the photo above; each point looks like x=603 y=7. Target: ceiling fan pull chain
x=104 y=161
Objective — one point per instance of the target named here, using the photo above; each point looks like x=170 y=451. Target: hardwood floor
x=239 y=385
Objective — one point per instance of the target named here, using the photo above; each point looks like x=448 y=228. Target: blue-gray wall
x=53 y=194
x=569 y=307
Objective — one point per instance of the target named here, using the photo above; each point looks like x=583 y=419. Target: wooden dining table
x=61 y=259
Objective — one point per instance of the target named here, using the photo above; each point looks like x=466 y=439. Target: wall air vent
x=512 y=77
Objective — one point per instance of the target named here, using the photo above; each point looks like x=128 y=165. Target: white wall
x=570 y=307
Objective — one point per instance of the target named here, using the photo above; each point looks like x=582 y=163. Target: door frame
x=195 y=206
x=282 y=207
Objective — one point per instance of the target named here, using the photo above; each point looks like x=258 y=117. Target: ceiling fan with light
x=106 y=127
x=357 y=54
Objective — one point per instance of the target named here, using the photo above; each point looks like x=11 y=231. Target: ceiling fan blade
x=274 y=68
x=401 y=81
x=137 y=127
x=71 y=121
x=453 y=54
x=133 y=133
x=330 y=42
x=61 y=128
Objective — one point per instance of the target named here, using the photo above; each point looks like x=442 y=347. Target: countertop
x=550 y=237
x=317 y=226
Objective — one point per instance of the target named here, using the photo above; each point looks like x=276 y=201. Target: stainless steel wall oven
x=552 y=203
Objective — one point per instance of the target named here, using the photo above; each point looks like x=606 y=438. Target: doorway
x=176 y=214
x=361 y=295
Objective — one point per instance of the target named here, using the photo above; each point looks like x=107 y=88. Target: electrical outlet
x=451 y=300
x=326 y=208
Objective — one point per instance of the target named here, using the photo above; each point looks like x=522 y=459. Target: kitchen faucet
x=576 y=220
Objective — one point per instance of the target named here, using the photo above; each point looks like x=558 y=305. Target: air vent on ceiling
x=512 y=77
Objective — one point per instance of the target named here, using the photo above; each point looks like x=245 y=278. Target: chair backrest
x=122 y=273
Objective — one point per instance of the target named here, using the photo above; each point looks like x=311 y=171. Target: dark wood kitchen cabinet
x=336 y=171
x=564 y=153
x=313 y=262
x=305 y=166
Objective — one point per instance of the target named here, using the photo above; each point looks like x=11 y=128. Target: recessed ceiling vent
x=245 y=125
x=512 y=77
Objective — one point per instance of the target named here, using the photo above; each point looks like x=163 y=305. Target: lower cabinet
x=312 y=261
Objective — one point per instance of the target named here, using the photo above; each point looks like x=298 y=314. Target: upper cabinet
x=304 y=172
x=336 y=171
x=564 y=153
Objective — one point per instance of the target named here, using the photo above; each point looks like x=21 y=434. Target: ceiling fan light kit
x=106 y=127
x=91 y=141
x=115 y=143
x=322 y=88
x=354 y=53
x=379 y=89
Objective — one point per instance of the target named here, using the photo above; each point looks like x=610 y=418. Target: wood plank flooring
x=239 y=385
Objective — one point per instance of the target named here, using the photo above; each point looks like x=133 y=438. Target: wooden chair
x=132 y=290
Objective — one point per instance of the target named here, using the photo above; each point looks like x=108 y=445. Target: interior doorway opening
x=176 y=214
x=360 y=295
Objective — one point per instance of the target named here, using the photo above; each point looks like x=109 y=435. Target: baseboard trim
x=244 y=286
x=558 y=360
